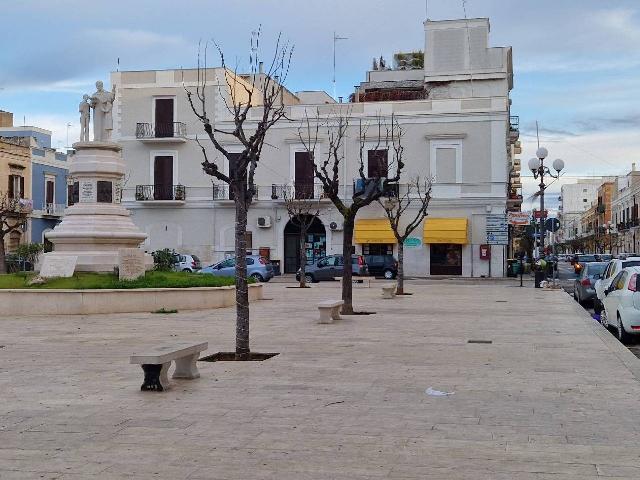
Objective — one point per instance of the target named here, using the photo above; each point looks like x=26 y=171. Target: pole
x=334 y=64
x=542 y=215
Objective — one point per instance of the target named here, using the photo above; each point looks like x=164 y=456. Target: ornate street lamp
x=539 y=170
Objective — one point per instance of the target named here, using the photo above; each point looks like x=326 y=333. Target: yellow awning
x=373 y=230
x=445 y=230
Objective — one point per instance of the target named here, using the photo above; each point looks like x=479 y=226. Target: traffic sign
x=552 y=224
x=538 y=214
x=497 y=229
x=519 y=218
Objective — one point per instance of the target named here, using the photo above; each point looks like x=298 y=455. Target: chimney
x=261 y=67
x=633 y=167
x=6 y=119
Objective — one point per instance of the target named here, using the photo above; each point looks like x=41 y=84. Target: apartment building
x=625 y=212
x=47 y=180
x=575 y=200
x=454 y=110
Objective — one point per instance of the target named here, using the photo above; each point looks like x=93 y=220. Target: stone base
x=97 y=261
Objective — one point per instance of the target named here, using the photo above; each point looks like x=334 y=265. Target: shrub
x=163 y=260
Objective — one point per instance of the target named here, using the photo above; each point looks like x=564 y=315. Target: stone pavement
x=552 y=397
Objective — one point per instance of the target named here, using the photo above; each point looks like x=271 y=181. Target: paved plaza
x=553 y=396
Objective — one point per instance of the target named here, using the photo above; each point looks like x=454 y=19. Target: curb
x=628 y=359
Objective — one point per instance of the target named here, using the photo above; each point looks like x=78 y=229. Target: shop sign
x=519 y=218
x=412 y=242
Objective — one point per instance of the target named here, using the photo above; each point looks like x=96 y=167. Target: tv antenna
x=336 y=38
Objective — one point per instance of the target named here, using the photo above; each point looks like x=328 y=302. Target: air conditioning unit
x=264 y=222
x=336 y=227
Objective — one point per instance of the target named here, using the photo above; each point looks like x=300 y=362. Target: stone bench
x=156 y=361
x=388 y=291
x=329 y=310
x=359 y=281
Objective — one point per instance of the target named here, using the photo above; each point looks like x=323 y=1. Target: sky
x=576 y=62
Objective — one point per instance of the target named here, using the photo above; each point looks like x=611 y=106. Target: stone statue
x=85 y=114
x=102 y=104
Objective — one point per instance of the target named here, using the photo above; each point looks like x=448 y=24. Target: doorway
x=446 y=259
x=164 y=117
x=163 y=178
x=315 y=245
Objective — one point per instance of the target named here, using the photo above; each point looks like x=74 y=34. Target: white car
x=622 y=304
x=612 y=269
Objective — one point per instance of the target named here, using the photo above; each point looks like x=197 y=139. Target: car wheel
x=257 y=277
x=388 y=274
x=603 y=319
x=308 y=278
x=623 y=336
x=186 y=270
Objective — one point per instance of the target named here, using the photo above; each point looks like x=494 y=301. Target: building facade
x=625 y=213
x=48 y=177
x=455 y=115
x=575 y=200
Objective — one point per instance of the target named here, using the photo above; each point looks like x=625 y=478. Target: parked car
x=623 y=256
x=605 y=257
x=612 y=269
x=326 y=268
x=622 y=304
x=258 y=268
x=580 y=260
x=583 y=286
x=186 y=263
x=382 y=265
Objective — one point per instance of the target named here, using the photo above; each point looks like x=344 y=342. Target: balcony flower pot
x=180 y=192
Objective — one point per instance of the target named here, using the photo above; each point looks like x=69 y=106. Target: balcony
x=298 y=192
x=166 y=194
x=53 y=209
x=170 y=132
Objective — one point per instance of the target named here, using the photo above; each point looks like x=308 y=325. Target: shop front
x=446 y=238
x=375 y=236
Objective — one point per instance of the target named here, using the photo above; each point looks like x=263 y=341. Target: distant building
x=575 y=200
x=625 y=213
x=47 y=182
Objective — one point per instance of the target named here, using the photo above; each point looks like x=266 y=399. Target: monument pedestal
x=96 y=227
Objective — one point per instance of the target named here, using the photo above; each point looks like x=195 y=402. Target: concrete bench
x=388 y=291
x=156 y=361
x=359 y=281
x=329 y=310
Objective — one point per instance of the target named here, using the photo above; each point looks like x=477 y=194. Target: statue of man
x=102 y=104
x=85 y=114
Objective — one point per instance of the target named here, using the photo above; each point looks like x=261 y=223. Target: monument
x=96 y=227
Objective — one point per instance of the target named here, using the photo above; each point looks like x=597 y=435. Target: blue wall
x=38 y=184
x=43 y=139
x=39 y=225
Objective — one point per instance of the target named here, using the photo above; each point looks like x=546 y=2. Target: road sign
x=552 y=224
x=518 y=218
x=538 y=214
x=497 y=229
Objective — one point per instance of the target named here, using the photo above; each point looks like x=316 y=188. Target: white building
x=575 y=199
x=455 y=114
x=624 y=212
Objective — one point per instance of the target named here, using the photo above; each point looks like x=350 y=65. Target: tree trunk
x=3 y=264
x=347 y=275
x=242 y=290
x=400 y=288
x=303 y=258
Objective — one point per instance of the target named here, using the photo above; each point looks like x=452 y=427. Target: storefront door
x=446 y=259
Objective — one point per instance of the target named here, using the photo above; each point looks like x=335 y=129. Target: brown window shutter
x=21 y=187
x=10 y=188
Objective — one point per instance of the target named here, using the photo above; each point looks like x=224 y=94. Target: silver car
x=327 y=268
x=259 y=268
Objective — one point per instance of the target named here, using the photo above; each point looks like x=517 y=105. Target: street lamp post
x=539 y=170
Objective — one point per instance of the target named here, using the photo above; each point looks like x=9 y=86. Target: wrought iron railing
x=514 y=123
x=297 y=191
x=161 y=130
x=53 y=209
x=160 y=192
x=221 y=191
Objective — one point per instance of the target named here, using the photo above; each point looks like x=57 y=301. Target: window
x=73 y=193
x=378 y=163
x=330 y=261
x=248 y=238
x=163 y=177
x=446 y=161
x=250 y=261
x=304 y=175
x=49 y=191
x=164 y=117
x=584 y=190
x=620 y=280
x=16 y=186
x=229 y=262
x=584 y=200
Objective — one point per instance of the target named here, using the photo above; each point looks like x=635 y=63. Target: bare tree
x=385 y=143
x=12 y=217
x=417 y=194
x=263 y=92
x=302 y=211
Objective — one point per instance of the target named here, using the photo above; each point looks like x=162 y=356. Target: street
x=566 y=276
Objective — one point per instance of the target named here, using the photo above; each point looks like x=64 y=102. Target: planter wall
x=85 y=302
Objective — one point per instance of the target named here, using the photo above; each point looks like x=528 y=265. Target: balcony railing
x=298 y=191
x=222 y=191
x=53 y=209
x=514 y=123
x=161 y=130
x=160 y=192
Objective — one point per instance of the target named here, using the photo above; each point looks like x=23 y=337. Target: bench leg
x=335 y=313
x=325 y=315
x=186 y=367
x=155 y=377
